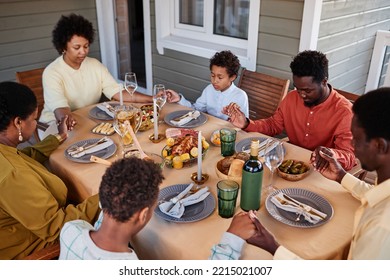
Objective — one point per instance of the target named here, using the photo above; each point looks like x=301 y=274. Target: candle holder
x=158 y=140
x=194 y=177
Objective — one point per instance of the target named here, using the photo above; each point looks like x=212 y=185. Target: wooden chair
x=33 y=79
x=52 y=252
x=264 y=92
x=357 y=170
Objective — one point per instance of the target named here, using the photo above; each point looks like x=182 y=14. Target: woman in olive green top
x=33 y=204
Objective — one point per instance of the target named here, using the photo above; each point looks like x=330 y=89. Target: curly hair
x=228 y=60
x=128 y=186
x=16 y=100
x=67 y=27
x=310 y=64
x=372 y=113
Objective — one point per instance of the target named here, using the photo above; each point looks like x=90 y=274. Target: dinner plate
x=307 y=197
x=245 y=144
x=191 y=124
x=104 y=153
x=192 y=213
x=98 y=114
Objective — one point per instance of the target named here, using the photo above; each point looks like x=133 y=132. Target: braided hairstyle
x=67 y=27
x=129 y=185
x=16 y=100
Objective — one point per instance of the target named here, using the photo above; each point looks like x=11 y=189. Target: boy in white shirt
x=224 y=67
x=128 y=195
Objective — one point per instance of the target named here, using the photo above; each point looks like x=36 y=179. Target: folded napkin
x=175 y=206
x=179 y=121
x=95 y=148
x=290 y=204
x=107 y=108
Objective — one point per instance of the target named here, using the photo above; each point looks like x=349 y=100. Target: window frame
x=201 y=41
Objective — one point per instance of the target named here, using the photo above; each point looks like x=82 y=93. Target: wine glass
x=130 y=82
x=273 y=157
x=159 y=95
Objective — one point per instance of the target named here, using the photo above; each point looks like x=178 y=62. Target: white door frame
x=109 y=43
x=381 y=42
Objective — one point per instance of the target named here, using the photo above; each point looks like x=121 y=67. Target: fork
x=83 y=147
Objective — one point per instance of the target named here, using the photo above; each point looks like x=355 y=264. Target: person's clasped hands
x=236 y=116
x=248 y=227
x=324 y=161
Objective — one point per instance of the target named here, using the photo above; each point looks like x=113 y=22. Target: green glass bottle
x=252 y=180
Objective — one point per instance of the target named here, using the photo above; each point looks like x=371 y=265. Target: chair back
x=264 y=92
x=51 y=252
x=33 y=79
x=350 y=96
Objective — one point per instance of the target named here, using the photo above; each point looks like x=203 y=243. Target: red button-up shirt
x=327 y=124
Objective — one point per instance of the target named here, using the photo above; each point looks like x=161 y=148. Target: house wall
x=279 y=32
x=25 y=32
x=347 y=36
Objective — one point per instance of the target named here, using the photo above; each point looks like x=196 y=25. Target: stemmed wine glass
x=130 y=82
x=273 y=156
x=159 y=95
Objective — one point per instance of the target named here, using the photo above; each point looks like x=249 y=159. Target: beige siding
x=347 y=36
x=25 y=32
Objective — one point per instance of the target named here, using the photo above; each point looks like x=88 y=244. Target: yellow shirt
x=371 y=235
x=64 y=86
x=33 y=201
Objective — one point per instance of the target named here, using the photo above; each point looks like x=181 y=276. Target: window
x=203 y=27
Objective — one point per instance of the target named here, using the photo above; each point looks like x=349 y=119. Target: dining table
x=164 y=239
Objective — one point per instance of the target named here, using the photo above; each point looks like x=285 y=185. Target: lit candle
x=155 y=119
x=199 y=178
x=120 y=95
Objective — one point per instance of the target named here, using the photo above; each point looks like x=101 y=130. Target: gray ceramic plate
x=105 y=153
x=307 y=197
x=192 y=213
x=191 y=124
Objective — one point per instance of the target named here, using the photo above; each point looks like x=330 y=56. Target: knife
x=305 y=207
x=101 y=141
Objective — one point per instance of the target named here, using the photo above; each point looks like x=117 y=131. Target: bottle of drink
x=252 y=179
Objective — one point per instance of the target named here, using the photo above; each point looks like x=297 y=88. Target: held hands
x=242 y=226
x=236 y=117
x=324 y=161
x=172 y=96
x=63 y=127
x=262 y=237
x=248 y=227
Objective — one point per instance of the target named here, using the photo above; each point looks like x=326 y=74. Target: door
x=124 y=35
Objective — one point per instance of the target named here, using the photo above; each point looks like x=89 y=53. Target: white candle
x=155 y=119
x=120 y=95
x=199 y=178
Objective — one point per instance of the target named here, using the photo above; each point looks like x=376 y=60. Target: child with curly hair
x=224 y=67
x=128 y=196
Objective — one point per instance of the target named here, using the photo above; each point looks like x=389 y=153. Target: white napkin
x=175 y=206
x=105 y=107
x=290 y=204
x=77 y=154
x=186 y=118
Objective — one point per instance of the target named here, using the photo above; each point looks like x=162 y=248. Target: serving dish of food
x=293 y=170
x=182 y=151
x=147 y=117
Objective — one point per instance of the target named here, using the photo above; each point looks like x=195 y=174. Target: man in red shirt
x=313 y=114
